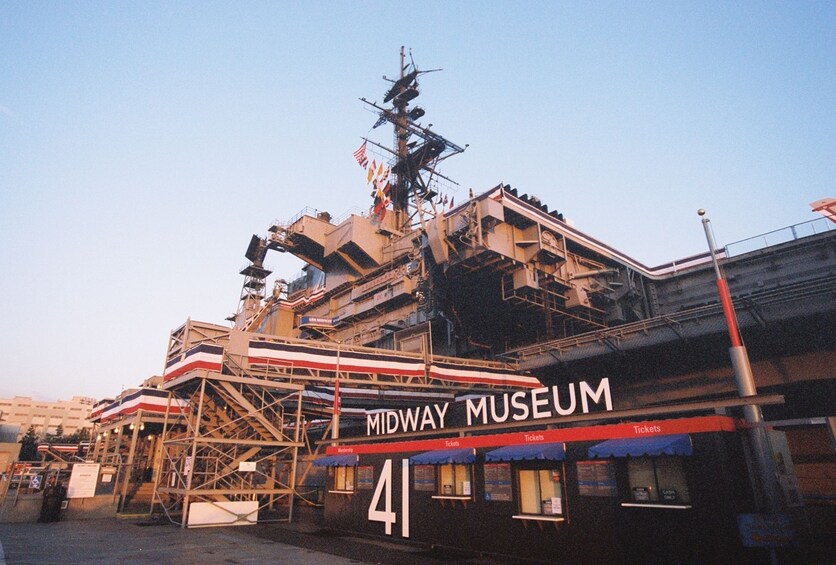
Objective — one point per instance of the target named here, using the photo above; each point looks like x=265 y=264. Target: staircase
x=138 y=501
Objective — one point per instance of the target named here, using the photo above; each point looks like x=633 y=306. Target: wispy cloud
x=6 y=110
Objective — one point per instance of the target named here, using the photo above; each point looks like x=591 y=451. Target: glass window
x=343 y=478
x=658 y=480
x=541 y=492
x=454 y=480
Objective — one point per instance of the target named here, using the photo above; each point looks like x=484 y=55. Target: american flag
x=360 y=156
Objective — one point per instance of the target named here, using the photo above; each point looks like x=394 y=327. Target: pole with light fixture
x=745 y=381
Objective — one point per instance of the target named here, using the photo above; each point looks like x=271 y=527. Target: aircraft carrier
x=429 y=299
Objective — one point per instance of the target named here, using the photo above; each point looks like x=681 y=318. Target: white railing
x=783 y=235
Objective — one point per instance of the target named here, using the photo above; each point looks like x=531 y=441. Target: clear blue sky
x=143 y=143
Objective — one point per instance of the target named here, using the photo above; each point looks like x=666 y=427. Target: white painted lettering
x=536 y=403
x=391 y=422
x=441 y=410
x=473 y=410
x=556 y=397
x=519 y=405
x=506 y=411
x=373 y=424
x=427 y=419
x=603 y=390
x=409 y=419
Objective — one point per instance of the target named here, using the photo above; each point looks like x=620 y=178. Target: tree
x=29 y=445
x=80 y=435
x=59 y=434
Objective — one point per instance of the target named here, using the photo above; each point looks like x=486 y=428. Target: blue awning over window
x=444 y=457
x=528 y=452
x=679 y=444
x=337 y=461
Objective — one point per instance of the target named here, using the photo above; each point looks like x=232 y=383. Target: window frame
x=458 y=490
x=636 y=484
x=339 y=474
x=540 y=473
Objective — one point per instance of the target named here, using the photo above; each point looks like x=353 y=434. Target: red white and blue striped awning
x=295 y=355
x=149 y=400
x=202 y=356
x=467 y=374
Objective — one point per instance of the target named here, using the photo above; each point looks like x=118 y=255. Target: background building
x=9 y=446
x=46 y=416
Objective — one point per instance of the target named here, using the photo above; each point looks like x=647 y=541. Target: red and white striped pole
x=745 y=382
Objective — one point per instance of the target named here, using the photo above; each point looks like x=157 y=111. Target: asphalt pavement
x=144 y=540
x=114 y=541
x=156 y=541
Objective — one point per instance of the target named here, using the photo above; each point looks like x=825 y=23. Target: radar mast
x=417 y=149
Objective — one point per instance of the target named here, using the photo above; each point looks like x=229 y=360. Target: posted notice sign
x=766 y=530
x=83 y=480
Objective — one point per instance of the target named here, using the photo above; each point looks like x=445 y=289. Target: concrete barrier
x=27 y=508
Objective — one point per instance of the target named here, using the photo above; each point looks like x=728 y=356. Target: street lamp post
x=759 y=442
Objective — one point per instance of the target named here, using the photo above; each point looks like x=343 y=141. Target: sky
x=143 y=143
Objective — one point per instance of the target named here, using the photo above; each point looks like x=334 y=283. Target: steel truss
x=241 y=412
x=232 y=421
x=128 y=445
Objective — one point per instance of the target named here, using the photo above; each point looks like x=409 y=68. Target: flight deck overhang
x=791 y=281
x=358 y=242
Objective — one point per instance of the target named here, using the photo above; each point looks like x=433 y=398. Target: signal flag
x=360 y=156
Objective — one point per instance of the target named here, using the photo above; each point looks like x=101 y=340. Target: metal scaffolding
x=240 y=443
x=242 y=447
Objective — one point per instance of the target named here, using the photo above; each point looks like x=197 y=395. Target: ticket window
x=454 y=479
x=343 y=478
x=541 y=492
x=658 y=480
